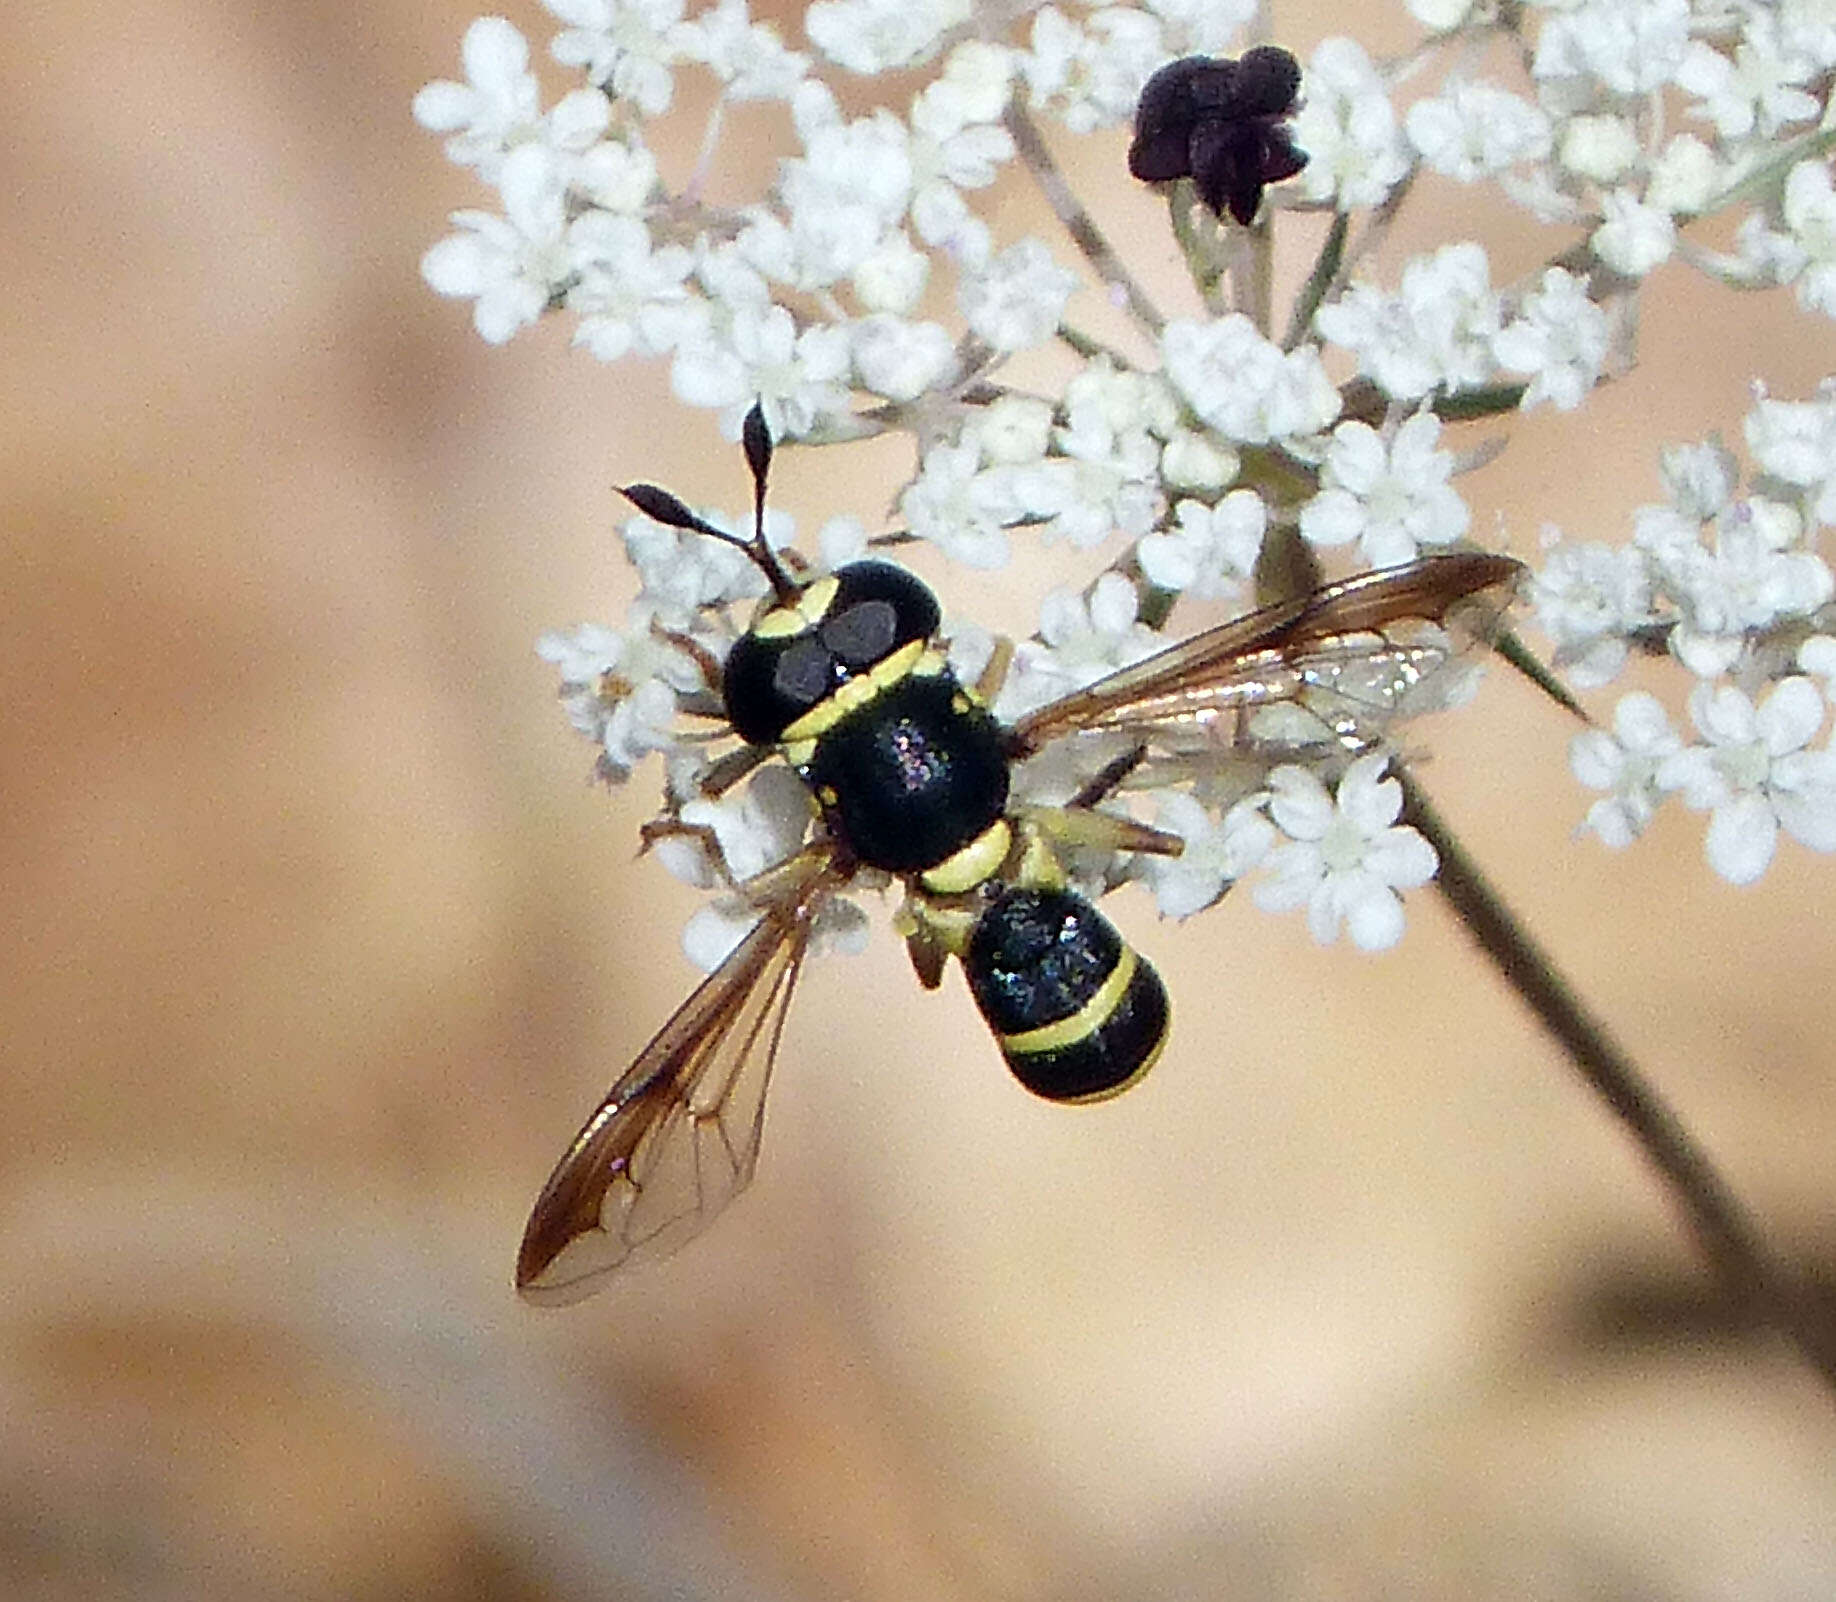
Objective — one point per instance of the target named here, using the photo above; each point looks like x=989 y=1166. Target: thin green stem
x=1766 y=177
x=1030 y=144
x=1255 y=274
x=1756 y=1282
x=1511 y=650
x=1196 y=235
x=1325 y=270
x=1092 y=349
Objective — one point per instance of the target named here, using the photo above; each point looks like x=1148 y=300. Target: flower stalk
x=1030 y=146
x=1758 y=1285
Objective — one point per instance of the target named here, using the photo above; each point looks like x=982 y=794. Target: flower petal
x=1742 y=836
x=1298 y=803
x=1325 y=912
x=1402 y=857
x=1723 y=714
x=1790 y=716
x=1368 y=799
x=1595 y=759
x=1293 y=871
x=1375 y=919
x=1643 y=726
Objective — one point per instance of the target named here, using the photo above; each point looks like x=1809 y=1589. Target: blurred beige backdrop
x=318 y=944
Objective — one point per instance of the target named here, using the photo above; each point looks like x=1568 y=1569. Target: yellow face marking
x=801 y=615
x=800 y=753
x=857 y=692
x=980 y=859
x=1091 y=1016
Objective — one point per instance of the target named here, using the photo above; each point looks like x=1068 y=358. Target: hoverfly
x=908 y=771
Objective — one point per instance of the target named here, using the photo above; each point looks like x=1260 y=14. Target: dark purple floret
x=1221 y=123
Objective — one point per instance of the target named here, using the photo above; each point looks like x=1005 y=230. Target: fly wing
x=1338 y=664
x=677 y=1137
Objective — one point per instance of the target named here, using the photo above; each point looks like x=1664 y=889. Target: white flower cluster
x=875 y=284
x=1339 y=854
x=1727 y=580
x=1636 y=116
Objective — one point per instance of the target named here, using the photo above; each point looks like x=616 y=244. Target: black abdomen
x=1077 y=1013
x=912 y=776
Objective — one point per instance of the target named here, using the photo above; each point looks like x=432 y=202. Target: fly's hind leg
x=1102 y=785
x=1077 y=823
x=1075 y=827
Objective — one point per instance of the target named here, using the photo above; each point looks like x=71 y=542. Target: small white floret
x=1559 y=338
x=1345 y=856
x=1756 y=775
x=1392 y=497
x=1624 y=762
x=1355 y=148
x=1219 y=851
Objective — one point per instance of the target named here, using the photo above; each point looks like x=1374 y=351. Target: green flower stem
x=1757 y=1283
x=1078 y=223
x=1764 y=179
x=1362 y=401
x=1091 y=349
x=1325 y=270
x=1511 y=650
x=1256 y=282
x=1196 y=236
x=1470 y=405
x=1376 y=230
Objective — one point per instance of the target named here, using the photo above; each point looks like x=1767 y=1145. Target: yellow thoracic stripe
x=972 y=864
x=801 y=614
x=857 y=692
x=1091 y=1016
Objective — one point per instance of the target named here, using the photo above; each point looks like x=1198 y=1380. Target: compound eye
x=802 y=673
x=894 y=607
x=863 y=633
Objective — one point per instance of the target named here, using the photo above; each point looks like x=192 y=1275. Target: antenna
x=756 y=438
x=666 y=508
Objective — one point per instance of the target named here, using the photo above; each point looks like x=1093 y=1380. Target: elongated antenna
x=658 y=503
x=756 y=438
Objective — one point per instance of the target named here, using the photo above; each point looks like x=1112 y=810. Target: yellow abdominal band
x=1092 y=1015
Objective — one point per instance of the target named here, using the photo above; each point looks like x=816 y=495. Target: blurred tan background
x=318 y=944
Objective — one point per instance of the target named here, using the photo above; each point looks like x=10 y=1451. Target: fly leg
x=1073 y=826
x=1078 y=823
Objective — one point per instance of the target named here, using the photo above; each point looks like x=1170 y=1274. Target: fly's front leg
x=993 y=676
x=726 y=771
x=770 y=886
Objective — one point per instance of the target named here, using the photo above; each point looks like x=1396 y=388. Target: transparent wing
x=1337 y=665
x=677 y=1136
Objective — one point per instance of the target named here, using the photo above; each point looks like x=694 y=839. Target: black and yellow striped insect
x=909 y=773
